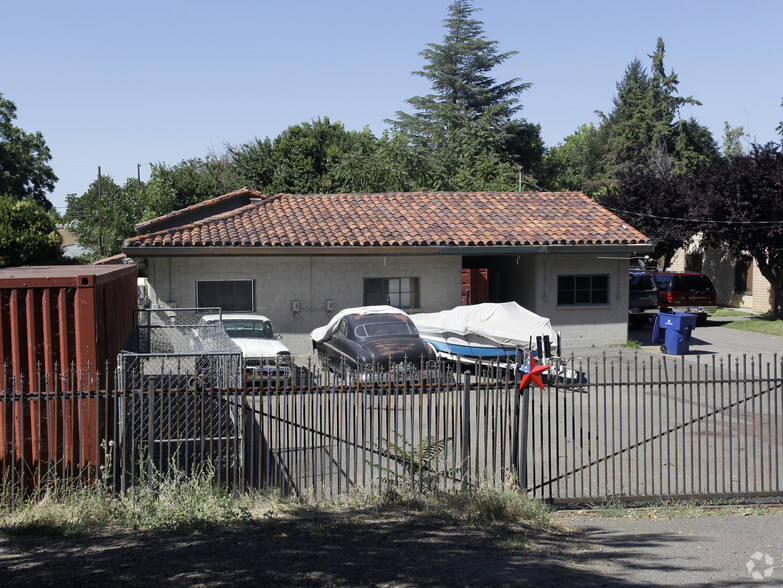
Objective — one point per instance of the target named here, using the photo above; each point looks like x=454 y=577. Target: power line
x=694 y=220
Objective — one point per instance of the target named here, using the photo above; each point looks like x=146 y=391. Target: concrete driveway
x=712 y=338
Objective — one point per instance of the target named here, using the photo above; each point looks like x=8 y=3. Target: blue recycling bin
x=674 y=330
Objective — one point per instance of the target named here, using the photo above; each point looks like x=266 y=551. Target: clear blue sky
x=118 y=84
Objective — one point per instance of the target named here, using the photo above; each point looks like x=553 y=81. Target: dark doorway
x=475 y=286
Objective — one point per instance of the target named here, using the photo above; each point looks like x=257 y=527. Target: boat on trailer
x=505 y=334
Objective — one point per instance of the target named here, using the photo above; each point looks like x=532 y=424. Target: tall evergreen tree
x=644 y=128
x=467 y=123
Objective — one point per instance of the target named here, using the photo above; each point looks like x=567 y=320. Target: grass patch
x=632 y=344
x=175 y=503
x=758 y=325
x=729 y=312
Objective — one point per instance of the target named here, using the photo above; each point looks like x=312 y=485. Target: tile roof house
x=299 y=258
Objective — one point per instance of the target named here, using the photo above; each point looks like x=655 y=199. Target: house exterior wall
x=584 y=325
x=720 y=267
x=310 y=280
x=532 y=280
x=529 y=280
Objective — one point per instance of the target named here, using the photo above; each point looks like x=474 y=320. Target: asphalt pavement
x=721 y=550
x=744 y=549
x=712 y=338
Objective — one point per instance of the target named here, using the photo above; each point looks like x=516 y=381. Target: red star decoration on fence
x=534 y=375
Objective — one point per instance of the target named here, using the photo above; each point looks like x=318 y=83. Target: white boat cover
x=506 y=324
x=321 y=334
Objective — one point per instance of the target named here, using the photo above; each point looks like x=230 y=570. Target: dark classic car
x=373 y=344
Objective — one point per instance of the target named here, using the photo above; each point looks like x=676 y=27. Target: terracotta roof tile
x=405 y=219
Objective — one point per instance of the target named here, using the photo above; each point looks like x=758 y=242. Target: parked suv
x=686 y=292
x=642 y=298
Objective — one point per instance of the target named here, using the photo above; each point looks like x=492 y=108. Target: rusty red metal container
x=61 y=328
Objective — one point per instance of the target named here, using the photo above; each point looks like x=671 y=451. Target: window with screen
x=229 y=295
x=582 y=290
x=398 y=292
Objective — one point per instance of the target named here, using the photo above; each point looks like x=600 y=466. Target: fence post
x=466 y=432
x=523 y=424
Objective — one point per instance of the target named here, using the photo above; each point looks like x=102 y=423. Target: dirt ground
x=402 y=548
x=358 y=548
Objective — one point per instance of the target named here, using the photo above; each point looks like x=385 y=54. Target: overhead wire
x=693 y=220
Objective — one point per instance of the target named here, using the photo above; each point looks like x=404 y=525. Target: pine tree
x=467 y=123
x=644 y=128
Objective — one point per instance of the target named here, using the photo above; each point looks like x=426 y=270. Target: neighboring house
x=298 y=259
x=70 y=246
x=738 y=281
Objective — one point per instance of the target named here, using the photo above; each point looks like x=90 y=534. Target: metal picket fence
x=626 y=427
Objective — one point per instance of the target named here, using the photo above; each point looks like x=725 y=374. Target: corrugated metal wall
x=61 y=328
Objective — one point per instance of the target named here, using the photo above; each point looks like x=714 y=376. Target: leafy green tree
x=575 y=163
x=190 y=181
x=102 y=224
x=732 y=140
x=305 y=155
x=739 y=201
x=28 y=235
x=323 y=156
x=384 y=164
x=253 y=164
x=25 y=172
x=466 y=126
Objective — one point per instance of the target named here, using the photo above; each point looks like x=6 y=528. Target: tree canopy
x=25 y=173
x=28 y=235
x=103 y=223
x=643 y=130
x=738 y=202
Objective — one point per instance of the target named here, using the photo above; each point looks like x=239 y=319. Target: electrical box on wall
x=295 y=305
x=329 y=305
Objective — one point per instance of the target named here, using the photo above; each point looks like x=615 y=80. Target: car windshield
x=663 y=281
x=385 y=329
x=248 y=329
x=642 y=282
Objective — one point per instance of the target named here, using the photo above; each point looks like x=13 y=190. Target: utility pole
x=100 y=215
x=138 y=177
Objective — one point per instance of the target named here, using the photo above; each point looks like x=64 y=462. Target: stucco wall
x=530 y=280
x=311 y=280
x=581 y=325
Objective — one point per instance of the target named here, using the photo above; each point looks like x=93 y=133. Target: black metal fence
x=627 y=426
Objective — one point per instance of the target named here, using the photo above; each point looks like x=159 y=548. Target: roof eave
x=607 y=248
